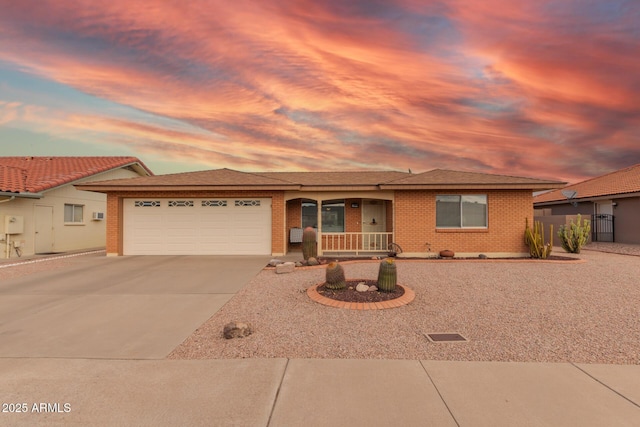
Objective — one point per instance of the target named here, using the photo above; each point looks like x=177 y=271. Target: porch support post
x=319 y=222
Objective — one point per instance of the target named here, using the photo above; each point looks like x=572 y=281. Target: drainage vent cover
x=445 y=337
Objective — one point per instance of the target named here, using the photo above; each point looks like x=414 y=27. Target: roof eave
x=140 y=168
x=22 y=195
x=588 y=199
x=167 y=188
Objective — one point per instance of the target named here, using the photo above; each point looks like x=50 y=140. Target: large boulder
x=285 y=267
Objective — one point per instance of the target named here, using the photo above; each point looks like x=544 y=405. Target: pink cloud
x=493 y=86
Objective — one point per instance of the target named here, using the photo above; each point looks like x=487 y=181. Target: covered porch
x=344 y=225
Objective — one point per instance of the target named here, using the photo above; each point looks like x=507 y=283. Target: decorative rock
x=373 y=288
x=237 y=330
x=275 y=262
x=298 y=264
x=312 y=261
x=285 y=267
x=482 y=256
x=362 y=287
x=447 y=253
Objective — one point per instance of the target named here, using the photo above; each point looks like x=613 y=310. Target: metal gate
x=602 y=228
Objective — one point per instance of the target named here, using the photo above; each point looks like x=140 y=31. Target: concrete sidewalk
x=314 y=392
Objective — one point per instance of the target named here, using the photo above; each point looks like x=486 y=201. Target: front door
x=44 y=229
x=374 y=220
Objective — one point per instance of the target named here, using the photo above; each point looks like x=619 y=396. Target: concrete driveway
x=137 y=307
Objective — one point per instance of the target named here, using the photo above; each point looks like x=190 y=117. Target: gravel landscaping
x=530 y=311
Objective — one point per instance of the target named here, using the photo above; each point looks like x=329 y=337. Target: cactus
x=309 y=247
x=335 y=276
x=387 y=275
x=575 y=235
x=535 y=240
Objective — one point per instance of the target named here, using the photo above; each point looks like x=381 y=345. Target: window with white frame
x=73 y=213
x=461 y=211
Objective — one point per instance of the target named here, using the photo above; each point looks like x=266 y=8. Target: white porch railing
x=355 y=242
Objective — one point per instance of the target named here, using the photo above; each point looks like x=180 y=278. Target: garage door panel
x=197 y=226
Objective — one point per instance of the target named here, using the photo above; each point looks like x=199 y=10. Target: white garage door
x=231 y=226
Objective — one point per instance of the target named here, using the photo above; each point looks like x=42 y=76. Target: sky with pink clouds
x=545 y=88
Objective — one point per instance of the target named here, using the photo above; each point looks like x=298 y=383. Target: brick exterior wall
x=294 y=220
x=411 y=217
x=352 y=216
x=294 y=214
x=415 y=223
x=115 y=213
x=389 y=213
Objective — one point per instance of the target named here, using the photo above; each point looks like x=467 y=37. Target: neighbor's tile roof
x=36 y=174
x=316 y=181
x=619 y=182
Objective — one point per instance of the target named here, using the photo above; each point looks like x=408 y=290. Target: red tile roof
x=36 y=174
x=620 y=182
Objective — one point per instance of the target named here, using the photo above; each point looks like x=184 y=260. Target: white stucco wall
x=65 y=237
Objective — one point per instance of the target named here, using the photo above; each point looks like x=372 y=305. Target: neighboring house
x=611 y=201
x=42 y=212
x=229 y=212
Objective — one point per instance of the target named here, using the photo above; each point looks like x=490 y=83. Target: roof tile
x=36 y=174
x=622 y=181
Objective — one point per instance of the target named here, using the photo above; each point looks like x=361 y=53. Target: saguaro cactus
x=309 y=246
x=387 y=275
x=335 y=276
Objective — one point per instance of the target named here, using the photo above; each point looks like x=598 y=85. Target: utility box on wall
x=13 y=224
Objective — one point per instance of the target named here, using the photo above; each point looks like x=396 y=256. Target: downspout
x=8 y=200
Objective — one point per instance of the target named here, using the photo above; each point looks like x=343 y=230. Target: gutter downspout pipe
x=8 y=200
